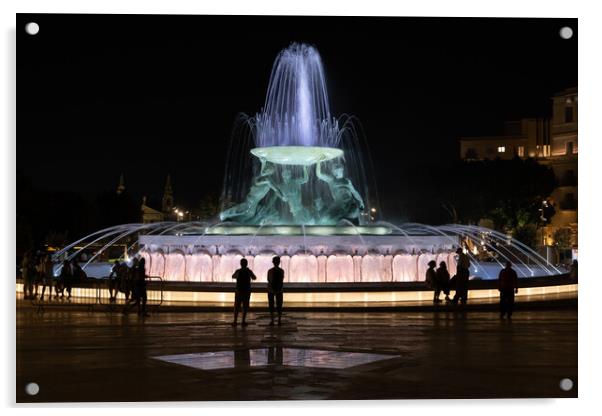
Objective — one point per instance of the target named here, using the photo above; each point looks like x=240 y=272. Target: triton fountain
x=296 y=186
x=306 y=168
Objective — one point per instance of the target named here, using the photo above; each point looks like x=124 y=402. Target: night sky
x=151 y=95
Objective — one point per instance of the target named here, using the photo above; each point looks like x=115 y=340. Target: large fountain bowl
x=296 y=155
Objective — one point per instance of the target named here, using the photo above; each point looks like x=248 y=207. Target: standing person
x=463 y=259
x=115 y=280
x=431 y=279
x=39 y=273
x=442 y=282
x=508 y=287
x=27 y=274
x=242 y=296
x=65 y=279
x=47 y=275
x=275 y=286
x=79 y=275
x=573 y=271
x=140 y=282
x=461 y=277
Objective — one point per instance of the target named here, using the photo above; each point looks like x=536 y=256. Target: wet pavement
x=96 y=356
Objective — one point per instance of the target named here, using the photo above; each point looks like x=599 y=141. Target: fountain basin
x=296 y=155
x=287 y=230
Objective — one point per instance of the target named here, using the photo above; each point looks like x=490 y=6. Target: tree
x=526 y=234
x=562 y=238
x=509 y=191
x=208 y=206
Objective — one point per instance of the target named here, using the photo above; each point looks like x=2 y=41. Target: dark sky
x=147 y=95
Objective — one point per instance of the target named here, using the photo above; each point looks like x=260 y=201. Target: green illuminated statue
x=250 y=211
x=284 y=192
x=347 y=202
x=291 y=189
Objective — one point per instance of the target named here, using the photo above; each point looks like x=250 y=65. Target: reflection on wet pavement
x=91 y=356
x=293 y=357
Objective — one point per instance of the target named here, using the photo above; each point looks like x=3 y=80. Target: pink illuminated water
x=300 y=268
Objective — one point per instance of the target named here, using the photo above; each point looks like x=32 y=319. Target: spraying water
x=306 y=169
x=295 y=186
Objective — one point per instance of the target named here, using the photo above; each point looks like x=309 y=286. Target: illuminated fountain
x=307 y=167
x=296 y=186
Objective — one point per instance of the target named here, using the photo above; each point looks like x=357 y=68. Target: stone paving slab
x=92 y=356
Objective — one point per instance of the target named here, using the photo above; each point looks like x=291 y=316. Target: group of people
x=439 y=280
x=38 y=270
x=131 y=281
x=242 y=295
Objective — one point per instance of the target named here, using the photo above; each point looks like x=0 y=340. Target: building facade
x=563 y=161
x=529 y=137
x=552 y=142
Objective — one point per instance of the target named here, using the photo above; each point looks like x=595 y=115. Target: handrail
x=95 y=292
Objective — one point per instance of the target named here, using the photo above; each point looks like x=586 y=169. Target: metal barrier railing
x=123 y=294
x=84 y=293
x=155 y=289
x=97 y=292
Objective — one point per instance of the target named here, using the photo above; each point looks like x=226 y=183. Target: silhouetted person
x=463 y=259
x=115 y=280
x=39 y=273
x=27 y=272
x=461 y=278
x=59 y=286
x=275 y=287
x=139 y=286
x=126 y=285
x=508 y=286
x=65 y=279
x=573 y=272
x=47 y=275
x=431 y=277
x=442 y=282
x=79 y=275
x=130 y=282
x=242 y=296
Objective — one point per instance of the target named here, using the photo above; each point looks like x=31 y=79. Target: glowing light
x=323 y=230
x=334 y=296
x=296 y=155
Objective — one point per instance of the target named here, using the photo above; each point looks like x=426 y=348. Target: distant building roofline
x=565 y=92
x=491 y=138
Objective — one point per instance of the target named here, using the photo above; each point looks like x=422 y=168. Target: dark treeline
x=57 y=218
x=509 y=193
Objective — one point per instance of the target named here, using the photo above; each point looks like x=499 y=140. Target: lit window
x=521 y=151
x=546 y=150
x=501 y=149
